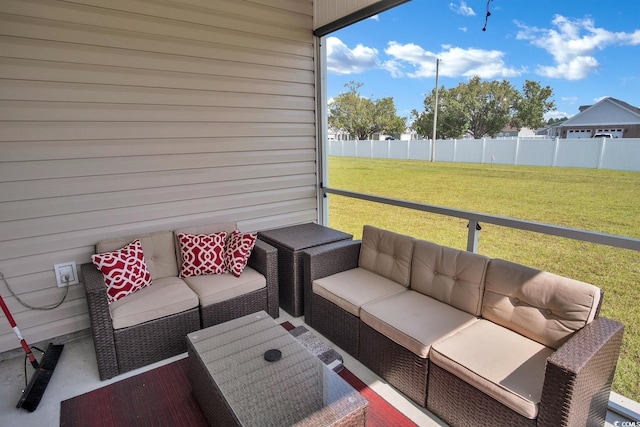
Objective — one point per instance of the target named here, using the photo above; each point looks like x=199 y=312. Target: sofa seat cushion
x=215 y=288
x=501 y=363
x=353 y=288
x=414 y=321
x=164 y=297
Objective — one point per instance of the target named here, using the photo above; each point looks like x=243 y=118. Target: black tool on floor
x=33 y=392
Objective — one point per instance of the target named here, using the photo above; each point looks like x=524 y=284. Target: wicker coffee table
x=235 y=385
x=290 y=242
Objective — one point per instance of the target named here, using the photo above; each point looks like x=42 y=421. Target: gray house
x=608 y=116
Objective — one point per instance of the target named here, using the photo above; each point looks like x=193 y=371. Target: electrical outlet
x=66 y=274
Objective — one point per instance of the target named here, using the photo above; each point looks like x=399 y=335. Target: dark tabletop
x=298 y=237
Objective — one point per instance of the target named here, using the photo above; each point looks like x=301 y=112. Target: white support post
x=472 y=236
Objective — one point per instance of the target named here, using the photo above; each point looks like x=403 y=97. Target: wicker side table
x=290 y=242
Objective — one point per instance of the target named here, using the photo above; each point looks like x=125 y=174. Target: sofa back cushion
x=539 y=305
x=449 y=275
x=229 y=227
x=158 y=248
x=387 y=254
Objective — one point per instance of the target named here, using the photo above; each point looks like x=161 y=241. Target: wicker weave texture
x=155 y=340
x=101 y=324
x=578 y=376
x=291 y=243
x=402 y=368
x=264 y=259
x=233 y=308
x=339 y=326
x=207 y=393
x=323 y=261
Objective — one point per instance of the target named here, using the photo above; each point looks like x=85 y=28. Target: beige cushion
x=350 y=289
x=413 y=320
x=386 y=253
x=159 y=252
x=215 y=288
x=501 y=363
x=542 y=306
x=201 y=229
x=164 y=297
x=449 y=275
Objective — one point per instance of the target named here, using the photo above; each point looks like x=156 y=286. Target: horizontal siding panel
x=136 y=60
x=208 y=17
x=41 y=29
x=19 y=69
x=82 y=111
x=40 y=253
x=203 y=26
x=107 y=199
x=45 y=331
x=291 y=13
x=59 y=150
x=19 y=229
x=38 y=131
x=122 y=117
x=111 y=166
x=87 y=186
x=35 y=281
x=72 y=92
x=44 y=298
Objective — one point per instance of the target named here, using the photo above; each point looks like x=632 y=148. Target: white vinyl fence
x=600 y=153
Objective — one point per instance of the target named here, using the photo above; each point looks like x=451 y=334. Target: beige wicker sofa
x=151 y=324
x=477 y=341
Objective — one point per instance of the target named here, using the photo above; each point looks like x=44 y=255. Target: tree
x=452 y=118
x=490 y=105
x=362 y=117
x=532 y=104
x=483 y=108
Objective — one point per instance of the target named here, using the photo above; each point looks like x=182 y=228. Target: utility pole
x=435 y=115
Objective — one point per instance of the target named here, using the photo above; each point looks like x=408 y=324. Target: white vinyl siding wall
x=126 y=116
x=331 y=10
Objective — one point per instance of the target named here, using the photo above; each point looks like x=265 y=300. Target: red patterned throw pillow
x=238 y=250
x=124 y=270
x=202 y=254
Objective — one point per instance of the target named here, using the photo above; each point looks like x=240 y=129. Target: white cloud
x=455 y=61
x=343 y=60
x=556 y=115
x=375 y=18
x=600 y=98
x=572 y=44
x=462 y=9
x=463 y=29
x=570 y=99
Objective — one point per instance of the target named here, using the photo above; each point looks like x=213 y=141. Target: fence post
x=515 y=161
x=602 y=147
x=472 y=236
x=555 y=152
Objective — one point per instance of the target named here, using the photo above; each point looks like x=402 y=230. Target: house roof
x=608 y=111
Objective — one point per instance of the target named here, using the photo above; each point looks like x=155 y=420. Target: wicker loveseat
x=151 y=324
x=477 y=341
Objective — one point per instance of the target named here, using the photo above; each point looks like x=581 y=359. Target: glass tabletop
x=297 y=389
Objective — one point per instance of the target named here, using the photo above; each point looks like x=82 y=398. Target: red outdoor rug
x=162 y=397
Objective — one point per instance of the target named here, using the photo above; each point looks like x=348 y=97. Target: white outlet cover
x=66 y=267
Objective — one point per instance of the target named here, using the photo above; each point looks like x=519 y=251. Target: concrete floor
x=77 y=373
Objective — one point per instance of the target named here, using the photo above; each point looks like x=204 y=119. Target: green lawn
x=597 y=200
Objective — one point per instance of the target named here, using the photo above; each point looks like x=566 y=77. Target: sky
x=584 y=50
